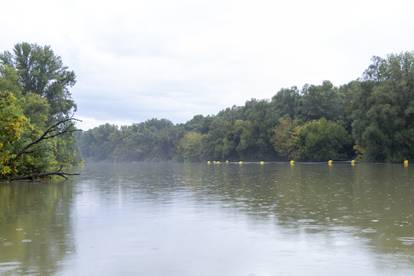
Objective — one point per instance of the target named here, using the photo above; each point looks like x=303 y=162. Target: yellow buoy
x=405 y=163
x=353 y=162
x=209 y=162
x=240 y=162
x=261 y=162
x=330 y=163
x=218 y=162
x=292 y=162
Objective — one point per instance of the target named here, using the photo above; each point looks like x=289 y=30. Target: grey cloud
x=141 y=59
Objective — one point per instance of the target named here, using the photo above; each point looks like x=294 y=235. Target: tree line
x=371 y=118
x=36 y=113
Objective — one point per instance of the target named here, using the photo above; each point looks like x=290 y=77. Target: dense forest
x=36 y=113
x=371 y=118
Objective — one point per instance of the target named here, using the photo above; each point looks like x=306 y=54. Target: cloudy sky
x=137 y=60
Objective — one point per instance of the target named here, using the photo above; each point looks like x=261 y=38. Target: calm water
x=195 y=219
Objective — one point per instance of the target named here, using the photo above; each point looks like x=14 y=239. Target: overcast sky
x=137 y=60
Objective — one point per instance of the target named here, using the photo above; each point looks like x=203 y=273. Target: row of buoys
x=292 y=162
x=227 y=162
x=219 y=162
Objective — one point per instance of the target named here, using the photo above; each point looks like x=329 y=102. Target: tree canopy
x=41 y=72
x=371 y=118
x=35 y=112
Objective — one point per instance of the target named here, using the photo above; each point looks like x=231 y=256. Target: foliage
x=320 y=101
x=285 y=137
x=372 y=117
x=151 y=140
x=34 y=95
x=321 y=140
x=13 y=124
x=287 y=102
x=190 y=146
x=383 y=109
x=41 y=72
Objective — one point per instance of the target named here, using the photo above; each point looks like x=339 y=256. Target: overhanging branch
x=34 y=176
x=51 y=132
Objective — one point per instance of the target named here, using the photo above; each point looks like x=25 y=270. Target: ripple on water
x=306 y=221
x=369 y=230
x=7 y=243
x=409 y=241
x=8 y=266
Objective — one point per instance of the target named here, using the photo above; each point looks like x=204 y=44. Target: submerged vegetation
x=371 y=118
x=36 y=113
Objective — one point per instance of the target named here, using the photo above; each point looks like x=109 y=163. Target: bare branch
x=48 y=134
x=43 y=175
x=61 y=133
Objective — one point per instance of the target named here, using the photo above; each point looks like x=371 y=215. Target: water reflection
x=367 y=208
x=228 y=219
x=371 y=202
x=35 y=230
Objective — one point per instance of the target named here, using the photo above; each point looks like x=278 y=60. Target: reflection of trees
x=371 y=202
x=374 y=202
x=35 y=229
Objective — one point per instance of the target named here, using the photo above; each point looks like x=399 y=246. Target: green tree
x=285 y=137
x=198 y=123
x=321 y=140
x=377 y=109
x=190 y=146
x=321 y=101
x=34 y=139
x=286 y=102
x=13 y=125
x=383 y=109
x=41 y=72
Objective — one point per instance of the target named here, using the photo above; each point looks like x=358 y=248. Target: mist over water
x=199 y=219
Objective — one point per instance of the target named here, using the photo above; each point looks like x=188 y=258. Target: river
x=198 y=219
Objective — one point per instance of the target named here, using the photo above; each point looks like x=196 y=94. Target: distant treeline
x=371 y=118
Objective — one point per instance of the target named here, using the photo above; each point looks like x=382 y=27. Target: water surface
x=198 y=219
